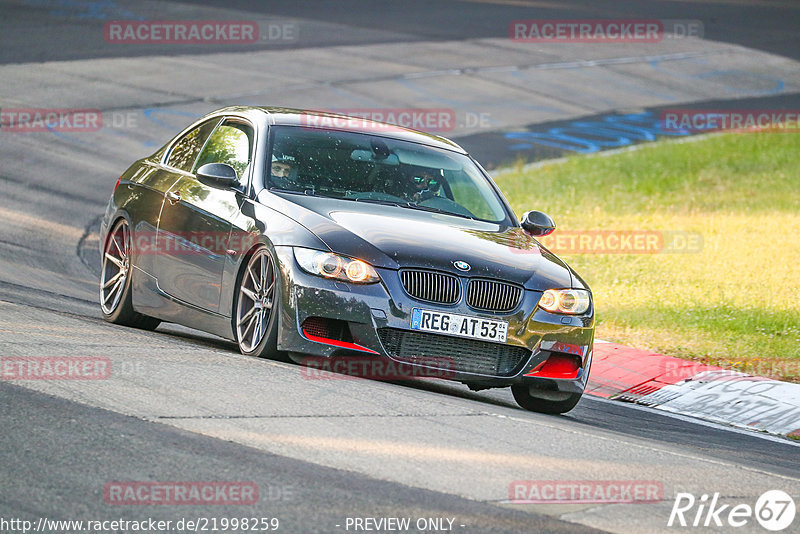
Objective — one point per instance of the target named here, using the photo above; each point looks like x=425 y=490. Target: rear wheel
x=550 y=402
x=115 y=281
x=257 y=306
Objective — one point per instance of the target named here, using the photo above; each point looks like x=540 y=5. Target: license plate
x=459 y=325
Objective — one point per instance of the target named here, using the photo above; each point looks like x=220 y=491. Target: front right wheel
x=257 y=306
x=549 y=402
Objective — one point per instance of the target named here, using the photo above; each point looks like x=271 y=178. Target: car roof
x=280 y=116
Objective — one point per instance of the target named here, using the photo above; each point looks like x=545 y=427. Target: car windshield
x=369 y=168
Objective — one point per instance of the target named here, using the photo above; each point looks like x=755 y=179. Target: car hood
x=394 y=237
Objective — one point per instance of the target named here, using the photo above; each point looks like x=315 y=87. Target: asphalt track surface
x=184 y=406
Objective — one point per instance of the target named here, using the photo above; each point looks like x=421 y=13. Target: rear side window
x=185 y=151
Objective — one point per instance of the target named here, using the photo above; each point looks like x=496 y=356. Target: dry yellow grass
x=736 y=301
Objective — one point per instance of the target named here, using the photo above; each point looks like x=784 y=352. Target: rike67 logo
x=774 y=510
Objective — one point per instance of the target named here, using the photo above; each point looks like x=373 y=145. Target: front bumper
x=377 y=313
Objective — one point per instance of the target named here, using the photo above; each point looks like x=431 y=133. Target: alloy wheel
x=116 y=267
x=255 y=302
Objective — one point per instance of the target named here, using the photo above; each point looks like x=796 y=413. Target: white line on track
x=664 y=450
x=702 y=422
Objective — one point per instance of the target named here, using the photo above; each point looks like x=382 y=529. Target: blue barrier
x=586 y=137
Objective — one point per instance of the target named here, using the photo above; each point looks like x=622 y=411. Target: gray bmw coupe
x=323 y=238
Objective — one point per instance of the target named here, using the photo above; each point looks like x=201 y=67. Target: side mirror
x=220 y=175
x=537 y=223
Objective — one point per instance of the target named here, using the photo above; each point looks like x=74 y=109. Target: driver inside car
x=283 y=172
x=423 y=183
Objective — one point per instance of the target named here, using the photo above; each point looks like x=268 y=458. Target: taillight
x=117 y=184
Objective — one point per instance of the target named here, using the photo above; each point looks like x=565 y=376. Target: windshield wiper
x=376 y=201
x=415 y=206
x=306 y=192
x=410 y=205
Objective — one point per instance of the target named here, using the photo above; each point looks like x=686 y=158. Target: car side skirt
x=150 y=300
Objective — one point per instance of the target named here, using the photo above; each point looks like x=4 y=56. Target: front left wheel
x=116 y=295
x=257 y=306
x=549 y=402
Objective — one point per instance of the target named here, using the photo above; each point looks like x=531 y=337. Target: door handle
x=174 y=197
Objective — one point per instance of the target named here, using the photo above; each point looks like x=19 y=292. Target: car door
x=195 y=222
x=154 y=183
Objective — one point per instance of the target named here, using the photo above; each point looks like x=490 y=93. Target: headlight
x=570 y=301
x=329 y=265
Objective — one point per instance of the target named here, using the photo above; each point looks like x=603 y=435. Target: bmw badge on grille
x=462 y=265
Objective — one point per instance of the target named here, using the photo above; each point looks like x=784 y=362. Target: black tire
x=256 y=306
x=536 y=404
x=116 y=296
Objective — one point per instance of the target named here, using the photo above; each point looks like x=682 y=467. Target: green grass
x=735 y=302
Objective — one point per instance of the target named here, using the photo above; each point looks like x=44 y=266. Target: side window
x=230 y=143
x=472 y=194
x=185 y=151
